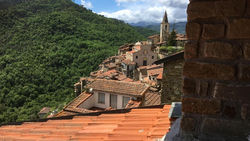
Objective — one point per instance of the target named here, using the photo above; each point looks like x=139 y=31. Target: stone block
x=201 y=9
x=212 y=126
x=213 y=31
x=229 y=110
x=201 y=106
x=248 y=9
x=209 y=71
x=221 y=50
x=188 y=124
x=191 y=50
x=202 y=88
x=230 y=8
x=244 y=72
x=247 y=51
x=245 y=112
x=189 y=86
x=193 y=31
x=239 y=29
x=232 y=92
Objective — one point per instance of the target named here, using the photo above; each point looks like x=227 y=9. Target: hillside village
x=213 y=80
x=133 y=78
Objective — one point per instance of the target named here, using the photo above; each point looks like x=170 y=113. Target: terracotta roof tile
x=133 y=104
x=152 y=98
x=159 y=77
x=153 y=72
x=119 y=87
x=128 y=62
x=135 y=124
x=72 y=107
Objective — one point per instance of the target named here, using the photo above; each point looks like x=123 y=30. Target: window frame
x=99 y=98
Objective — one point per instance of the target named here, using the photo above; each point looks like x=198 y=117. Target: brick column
x=216 y=85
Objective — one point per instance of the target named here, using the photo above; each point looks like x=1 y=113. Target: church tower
x=164 y=28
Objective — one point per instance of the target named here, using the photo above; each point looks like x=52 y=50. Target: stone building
x=142 y=54
x=172 y=78
x=216 y=101
x=164 y=32
x=154 y=39
x=181 y=39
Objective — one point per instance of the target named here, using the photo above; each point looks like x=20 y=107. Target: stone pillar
x=216 y=85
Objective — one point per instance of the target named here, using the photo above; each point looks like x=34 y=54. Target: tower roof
x=165 y=18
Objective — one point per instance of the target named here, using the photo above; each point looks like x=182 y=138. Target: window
x=101 y=98
x=153 y=57
x=136 y=57
x=125 y=101
x=113 y=101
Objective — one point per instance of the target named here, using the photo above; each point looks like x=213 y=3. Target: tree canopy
x=45 y=46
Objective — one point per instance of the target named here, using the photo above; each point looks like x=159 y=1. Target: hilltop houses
x=133 y=78
x=102 y=94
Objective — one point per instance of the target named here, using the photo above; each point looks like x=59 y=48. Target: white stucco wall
x=99 y=105
x=107 y=100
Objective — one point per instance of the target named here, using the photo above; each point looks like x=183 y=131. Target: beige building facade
x=142 y=55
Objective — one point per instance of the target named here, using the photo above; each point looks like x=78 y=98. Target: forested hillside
x=45 y=46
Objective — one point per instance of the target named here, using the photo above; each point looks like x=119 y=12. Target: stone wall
x=172 y=81
x=216 y=101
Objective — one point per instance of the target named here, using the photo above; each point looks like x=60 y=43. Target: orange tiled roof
x=181 y=37
x=72 y=107
x=155 y=71
x=133 y=104
x=159 y=77
x=128 y=62
x=119 y=87
x=152 y=98
x=137 y=47
x=154 y=66
x=133 y=124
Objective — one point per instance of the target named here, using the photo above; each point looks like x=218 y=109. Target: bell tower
x=164 y=28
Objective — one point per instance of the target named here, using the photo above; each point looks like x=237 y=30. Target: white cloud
x=134 y=11
x=86 y=4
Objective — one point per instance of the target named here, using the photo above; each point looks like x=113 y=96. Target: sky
x=134 y=11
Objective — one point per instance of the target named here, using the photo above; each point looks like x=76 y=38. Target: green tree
x=45 y=46
x=172 y=38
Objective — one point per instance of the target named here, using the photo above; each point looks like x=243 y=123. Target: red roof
x=138 y=47
x=150 y=67
x=72 y=108
x=128 y=62
x=181 y=37
x=155 y=71
x=119 y=87
x=159 y=76
x=134 y=124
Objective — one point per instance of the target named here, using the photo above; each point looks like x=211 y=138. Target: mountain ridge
x=180 y=26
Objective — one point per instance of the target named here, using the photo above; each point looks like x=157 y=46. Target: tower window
x=136 y=57
x=153 y=57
